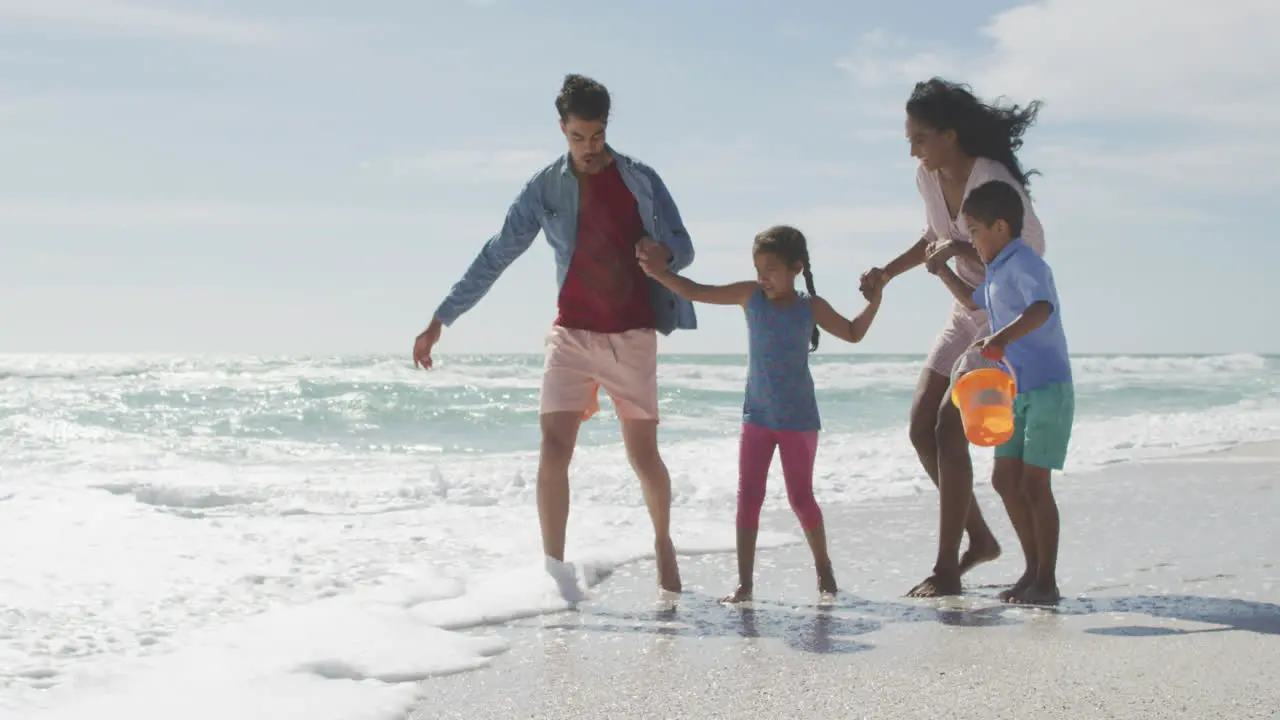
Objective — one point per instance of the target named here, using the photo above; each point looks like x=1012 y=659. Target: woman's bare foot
x=1019 y=587
x=668 y=567
x=1038 y=594
x=979 y=552
x=937 y=585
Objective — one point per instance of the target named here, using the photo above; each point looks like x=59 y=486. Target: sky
x=311 y=176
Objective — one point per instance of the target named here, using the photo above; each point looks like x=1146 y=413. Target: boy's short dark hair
x=583 y=98
x=995 y=200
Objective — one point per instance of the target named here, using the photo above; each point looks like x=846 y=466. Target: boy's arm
x=734 y=294
x=848 y=330
x=1036 y=314
x=1033 y=282
x=518 y=231
x=676 y=239
x=964 y=294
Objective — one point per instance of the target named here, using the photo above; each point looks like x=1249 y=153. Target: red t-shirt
x=605 y=290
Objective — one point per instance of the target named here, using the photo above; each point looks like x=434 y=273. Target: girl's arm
x=734 y=294
x=848 y=330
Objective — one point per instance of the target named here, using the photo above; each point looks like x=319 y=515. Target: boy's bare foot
x=741 y=594
x=1019 y=587
x=668 y=567
x=937 y=585
x=1038 y=594
x=979 y=552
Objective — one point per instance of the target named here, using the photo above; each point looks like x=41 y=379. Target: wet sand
x=1170 y=572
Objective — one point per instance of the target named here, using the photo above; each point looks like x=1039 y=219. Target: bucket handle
x=995 y=355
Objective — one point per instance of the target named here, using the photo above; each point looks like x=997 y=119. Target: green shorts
x=1042 y=422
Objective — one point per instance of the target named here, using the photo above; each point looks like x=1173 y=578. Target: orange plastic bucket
x=985 y=399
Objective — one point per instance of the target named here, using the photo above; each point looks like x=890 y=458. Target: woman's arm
x=913 y=257
x=848 y=330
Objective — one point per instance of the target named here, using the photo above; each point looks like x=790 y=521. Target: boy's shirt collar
x=1004 y=255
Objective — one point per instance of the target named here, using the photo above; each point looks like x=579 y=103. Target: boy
x=1021 y=301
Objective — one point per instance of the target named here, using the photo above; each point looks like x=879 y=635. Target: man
x=600 y=211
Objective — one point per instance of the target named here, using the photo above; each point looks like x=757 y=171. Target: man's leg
x=628 y=371
x=559 y=436
x=569 y=396
x=641 y=439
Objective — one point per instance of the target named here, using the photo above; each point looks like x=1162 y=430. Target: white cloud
x=469 y=165
x=117 y=16
x=1209 y=62
x=1198 y=79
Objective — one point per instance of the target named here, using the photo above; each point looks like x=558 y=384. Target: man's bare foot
x=937 y=585
x=978 y=553
x=1038 y=594
x=1017 y=588
x=741 y=594
x=668 y=567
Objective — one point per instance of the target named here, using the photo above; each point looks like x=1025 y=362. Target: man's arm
x=515 y=237
x=676 y=240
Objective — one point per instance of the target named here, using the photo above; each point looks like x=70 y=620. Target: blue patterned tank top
x=780 y=393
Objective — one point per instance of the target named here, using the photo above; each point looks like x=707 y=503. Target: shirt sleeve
x=1032 y=282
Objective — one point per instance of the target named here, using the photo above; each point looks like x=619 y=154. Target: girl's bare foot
x=1019 y=587
x=668 y=566
x=741 y=594
x=827 y=582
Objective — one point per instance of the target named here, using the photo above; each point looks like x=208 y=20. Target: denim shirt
x=549 y=202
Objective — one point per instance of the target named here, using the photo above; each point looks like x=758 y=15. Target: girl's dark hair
x=789 y=245
x=988 y=130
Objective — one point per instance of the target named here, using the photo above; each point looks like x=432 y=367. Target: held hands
x=873 y=281
x=653 y=257
x=423 y=344
x=938 y=253
x=872 y=285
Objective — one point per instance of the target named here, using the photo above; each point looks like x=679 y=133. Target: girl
x=961 y=143
x=780 y=409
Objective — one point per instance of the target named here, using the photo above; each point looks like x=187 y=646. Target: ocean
x=146 y=501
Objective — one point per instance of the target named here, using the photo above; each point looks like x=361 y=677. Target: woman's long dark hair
x=988 y=130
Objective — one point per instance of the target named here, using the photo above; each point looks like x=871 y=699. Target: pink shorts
x=580 y=362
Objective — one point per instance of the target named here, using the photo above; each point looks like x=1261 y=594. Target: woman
x=961 y=143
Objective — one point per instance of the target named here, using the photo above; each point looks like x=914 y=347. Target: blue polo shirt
x=1016 y=278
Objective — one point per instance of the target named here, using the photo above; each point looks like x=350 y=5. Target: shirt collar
x=1003 y=256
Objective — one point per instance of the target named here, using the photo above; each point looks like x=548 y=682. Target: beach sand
x=1170 y=569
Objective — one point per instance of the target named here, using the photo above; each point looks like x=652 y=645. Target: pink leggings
x=755 y=455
